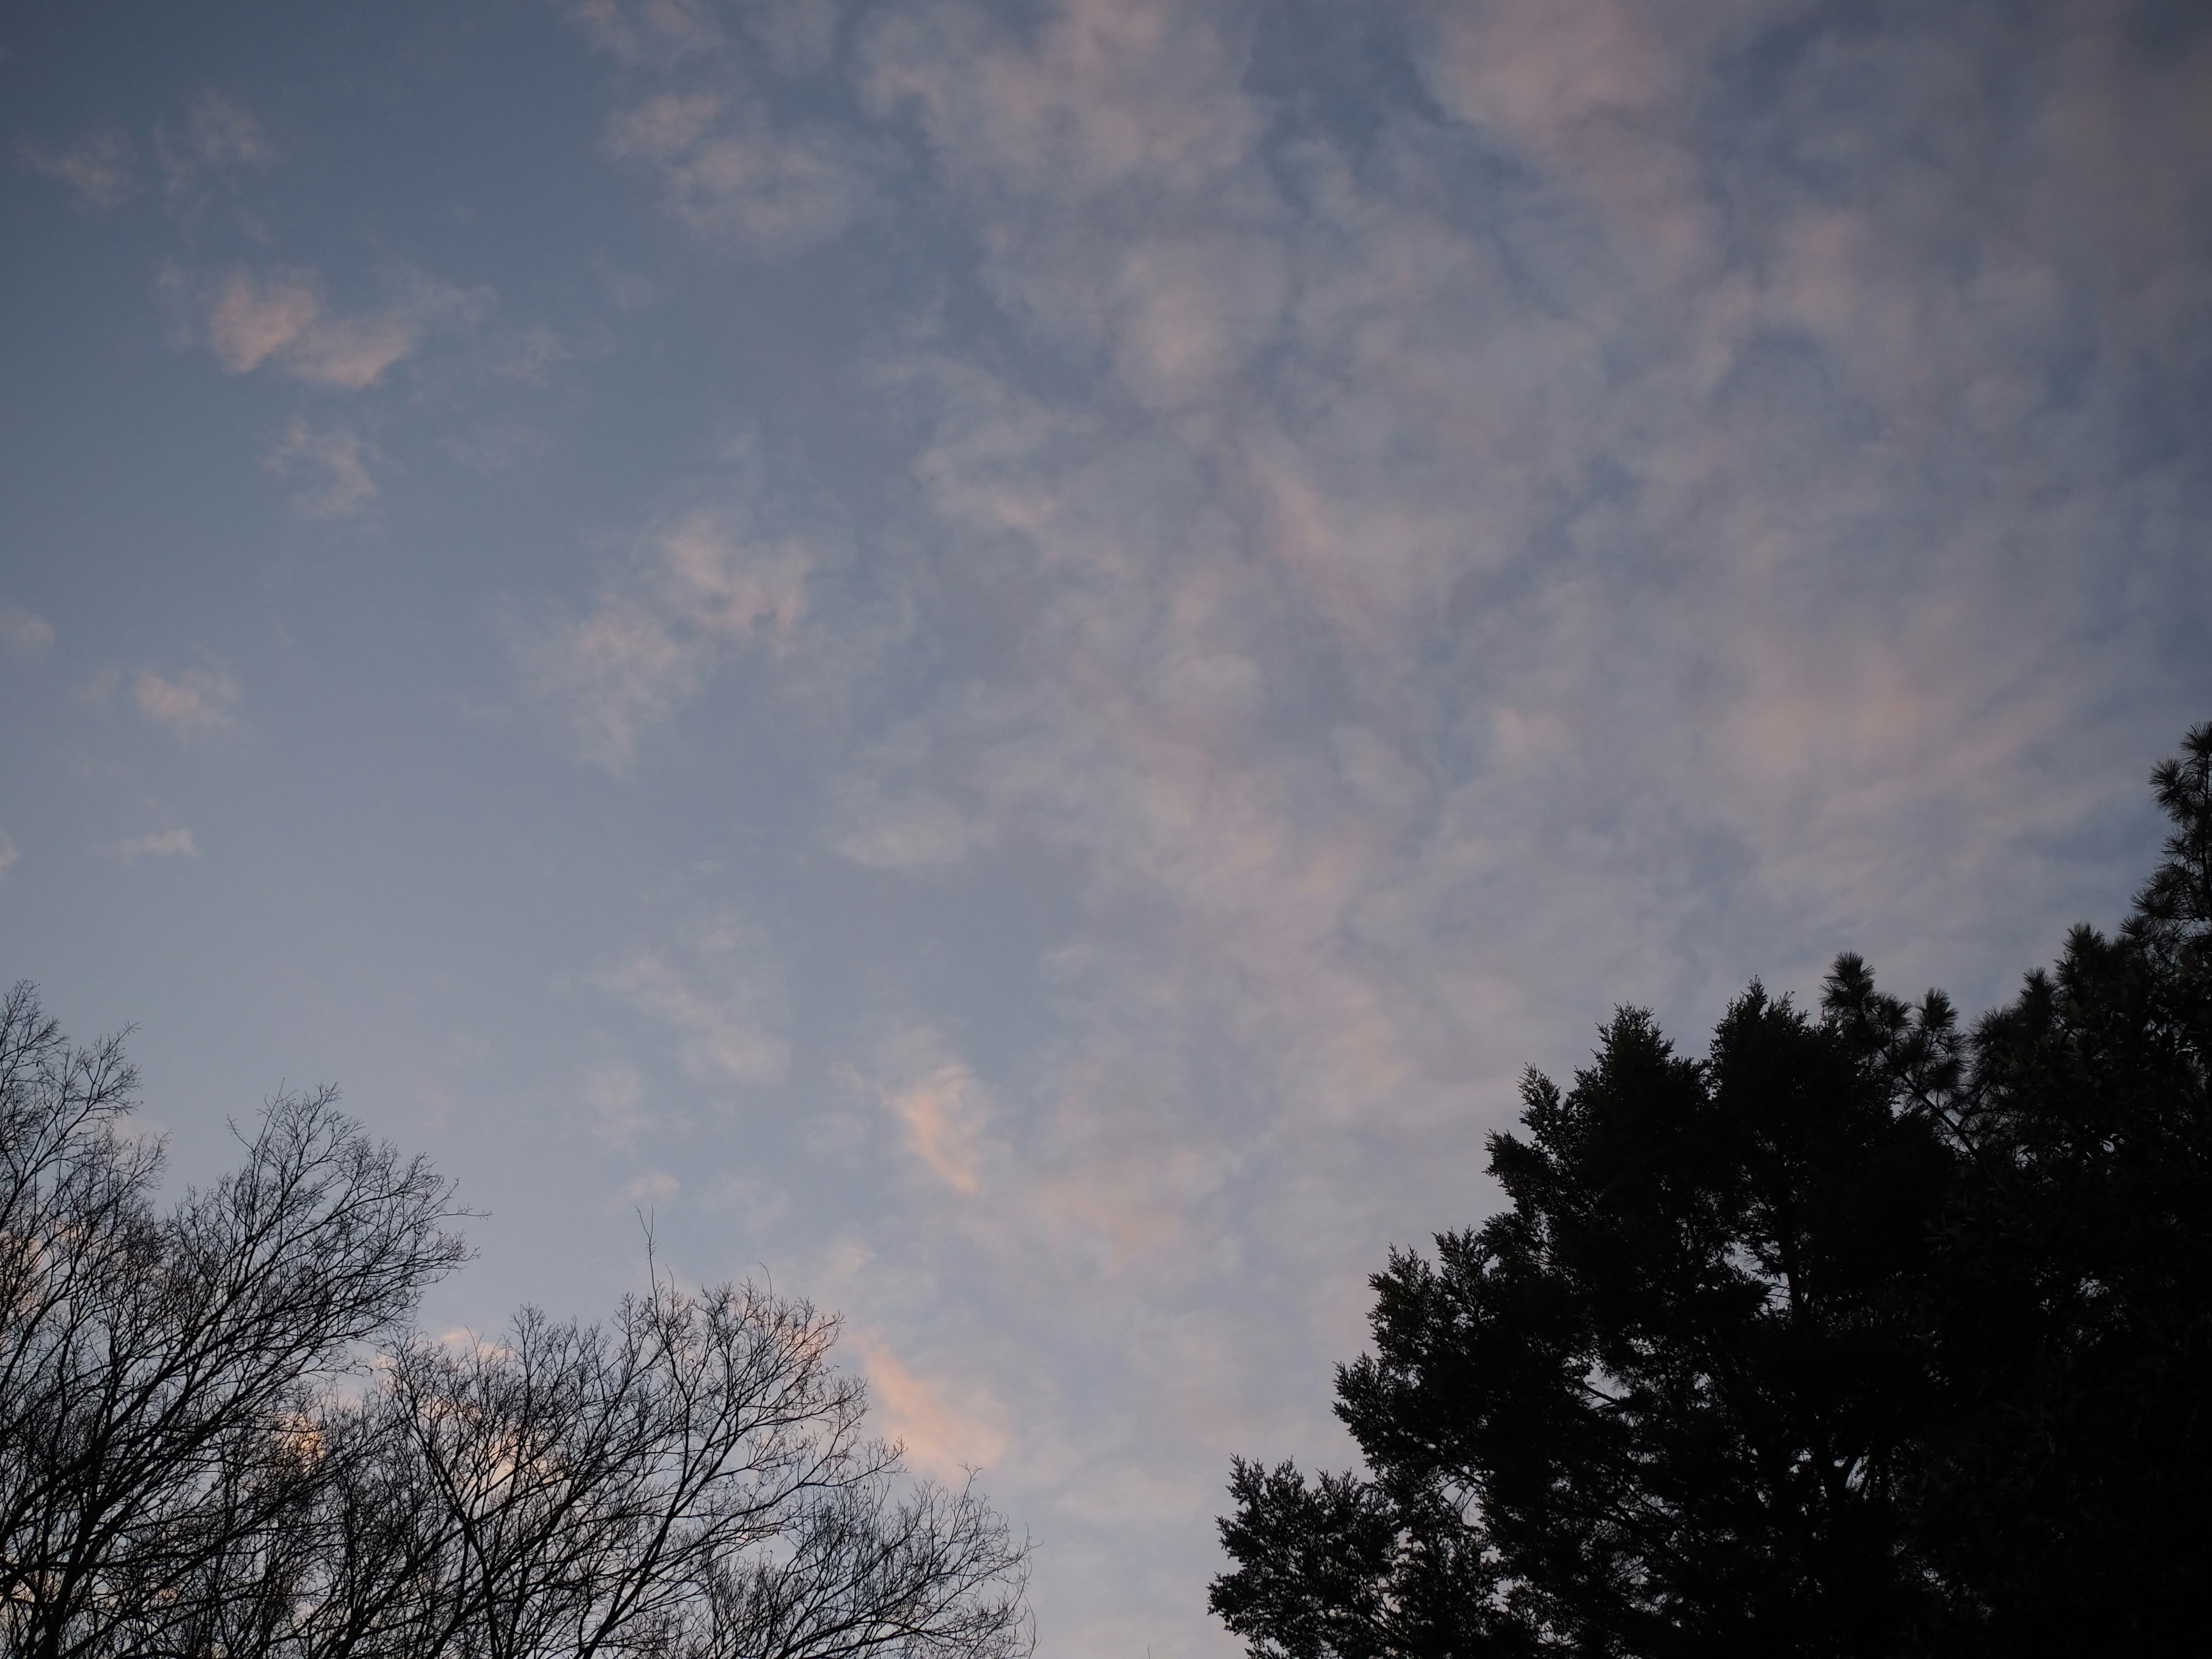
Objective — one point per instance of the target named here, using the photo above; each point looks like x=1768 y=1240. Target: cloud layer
x=1007 y=660
x=1507 y=508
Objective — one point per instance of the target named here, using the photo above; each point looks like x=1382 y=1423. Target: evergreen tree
x=1861 y=1334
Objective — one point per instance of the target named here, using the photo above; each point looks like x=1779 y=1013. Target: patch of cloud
x=731 y=174
x=718 y=987
x=194 y=708
x=730 y=121
x=627 y=290
x=912 y=831
x=173 y=843
x=280 y=319
x=945 y=1429
x=24 y=632
x=99 y=170
x=529 y=355
x=492 y=448
x=650 y=33
x=701 y=590
x=887 y=815
x=613 y=1093
x=940 y=1106
x=7 y=854
x=217 y=139
x=648 y=1187
x=329 y=463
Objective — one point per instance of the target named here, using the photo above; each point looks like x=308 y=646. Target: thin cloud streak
x=99 y=169
x=176 y=844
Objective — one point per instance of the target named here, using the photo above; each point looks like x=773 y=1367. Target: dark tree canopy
x=219 y=1439
x=1861 y=1334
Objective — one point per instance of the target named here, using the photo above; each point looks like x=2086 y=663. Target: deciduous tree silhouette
x=218 y=1437
x=1861 y=1334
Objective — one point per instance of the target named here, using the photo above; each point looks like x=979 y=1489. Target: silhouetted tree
x=1859 y=1335
x=151 y=1364
x=202 y=1452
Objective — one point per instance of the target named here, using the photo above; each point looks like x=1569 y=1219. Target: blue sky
x=1005 y=662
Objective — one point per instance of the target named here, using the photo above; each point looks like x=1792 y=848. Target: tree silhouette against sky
x=1862 y=1335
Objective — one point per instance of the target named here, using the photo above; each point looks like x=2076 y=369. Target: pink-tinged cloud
x=939 y=1106
x=945 y=1430
x=281 y=321
x=698 y=593
x=193 y=707
x=730 y=174
x=24 y=632
x=99 y=170
x=329 y=465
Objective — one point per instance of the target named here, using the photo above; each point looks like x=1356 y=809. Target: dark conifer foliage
x=219 y=1438
x=1861 y=1334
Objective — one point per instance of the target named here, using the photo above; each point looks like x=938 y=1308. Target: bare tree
x=692 y=1479
x=199 y=1455
x=156 y=1369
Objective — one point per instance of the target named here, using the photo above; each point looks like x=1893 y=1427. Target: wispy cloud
x=280 y=319
x=697 y=592
x=659 y=34
x=217 y=138
x=946 y=1428
x=940 y=1107
x=194 y=707
x=615 y=1094
x=718 y=987
x=718 y=126
x=154 y=844
x=330 y=463
x=738 y=176
x=24 y=632
x=98 y=169
x=7 y=854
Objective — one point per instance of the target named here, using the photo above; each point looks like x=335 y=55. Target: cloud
x=613 y=1092
x=280 y=319
x=656 y=34
x=217 y=138
x=945 y=1430
x=155 y=844
x=339 y=484
x=940 y=1105
x=649 y=1188
x=194 y=708
x=7 y=854
x=99 y=169
x=1584 y=505
x=912 y=831
x=742 y=180
x=720 y=988
x=24 y=632
x=699 y=592
x=721 y=129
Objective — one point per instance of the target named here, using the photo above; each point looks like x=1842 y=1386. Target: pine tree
x=1861 y=1334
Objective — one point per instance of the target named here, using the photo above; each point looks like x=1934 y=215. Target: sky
x=1003 y=663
